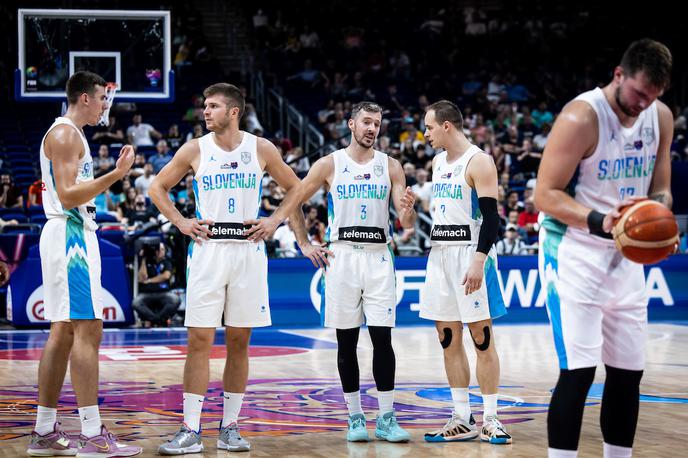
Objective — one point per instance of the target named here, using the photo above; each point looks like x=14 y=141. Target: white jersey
x=358 y=201
x=622 y=163
x=227 y=186
x=83 y=214
x=456 y=216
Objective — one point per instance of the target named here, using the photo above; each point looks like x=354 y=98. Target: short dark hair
x=447 y=111
x=231 y=92
x=370 y=107
x=82 y=82
x=652 y=58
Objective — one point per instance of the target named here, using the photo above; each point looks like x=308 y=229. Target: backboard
x=130 y=48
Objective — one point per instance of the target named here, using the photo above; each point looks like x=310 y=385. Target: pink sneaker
x=55 y=443
x=104 y=445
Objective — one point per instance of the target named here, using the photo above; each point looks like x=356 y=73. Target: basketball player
x=70 y=262
x=461 y=283
x=359 y=282
x=606 y=146
x=226 y=273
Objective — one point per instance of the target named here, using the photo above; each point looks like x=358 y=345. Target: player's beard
x=622 y=105
x=363 y=141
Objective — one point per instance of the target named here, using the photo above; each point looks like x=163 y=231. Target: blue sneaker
x=357 y=429
x=387 y=428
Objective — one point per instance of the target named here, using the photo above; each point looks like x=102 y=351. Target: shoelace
x=357 y=423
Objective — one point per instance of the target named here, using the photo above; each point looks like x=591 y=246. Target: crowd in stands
x=509 y=102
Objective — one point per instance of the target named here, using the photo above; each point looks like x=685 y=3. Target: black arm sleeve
x=490 y=226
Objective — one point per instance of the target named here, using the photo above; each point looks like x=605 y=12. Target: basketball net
x=110 y=90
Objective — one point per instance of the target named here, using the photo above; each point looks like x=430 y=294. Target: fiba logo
x=87 y=170
x=35 y=307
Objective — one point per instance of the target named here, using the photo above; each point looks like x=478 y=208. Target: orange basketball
x=646 y=232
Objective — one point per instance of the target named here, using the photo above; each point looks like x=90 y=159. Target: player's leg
x=487 y=371
x=47 y=436
x=577 y=327
x=623 y=352
x=378 y=301
x=234 y=380
x=205 y=299
x=342 y=311
x=247 y=306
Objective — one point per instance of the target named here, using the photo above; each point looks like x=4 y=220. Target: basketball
x=646 y=232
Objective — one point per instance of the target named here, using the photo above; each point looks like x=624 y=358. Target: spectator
x=410 y=172
x=541 y=115
x=314 y=226
x=35 y=194
x=195 y=113
x=103 y=163
x=142 y=213
x=273 y=199
x=143 y=182
x=174 y=138
x=540 y=139
x=111 y=134
x=127 y=206
x=513 y=202
x=528 y=220
x=528 y=159
x=423 y=190
x=286 y=238
x=141 y=134
x=155 y=304
x=10 y=195
x=511 y=244
x=512 y=218
x=298 y=162
x=253 y=125
x=196 y=132
x=139 y=164
x=162 y=157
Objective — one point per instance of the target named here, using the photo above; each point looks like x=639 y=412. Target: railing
x=282 y=117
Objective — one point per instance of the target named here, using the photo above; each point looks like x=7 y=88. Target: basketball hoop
x=110 y=90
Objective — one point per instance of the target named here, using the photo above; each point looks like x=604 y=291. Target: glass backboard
x=130 y=48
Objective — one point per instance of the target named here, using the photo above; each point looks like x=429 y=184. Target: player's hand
x=611 y=217
x=408 y=200
x=261 y=229
x=317 y=254
x=197 y=229
x=125 y=159
x=474 y=276
x=4 y=273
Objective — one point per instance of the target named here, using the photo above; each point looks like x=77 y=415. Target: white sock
x=353 y=403
x=462 y=405
x=45 y=420
x=385 y=401
x=616 y=451
x=231 y=408
x=489 y=405
x=559 y=453
x=193 y=406
x=90 y=421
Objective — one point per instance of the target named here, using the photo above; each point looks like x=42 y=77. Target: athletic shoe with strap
x=455 y=430
x=494 y=432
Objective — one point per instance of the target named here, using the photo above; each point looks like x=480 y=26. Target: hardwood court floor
x=294 y=406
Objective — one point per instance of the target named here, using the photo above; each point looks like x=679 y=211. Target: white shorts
x=443 y=298
x=230 y=278
x=70 y=263
x=596 y=301
x=360 y=282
